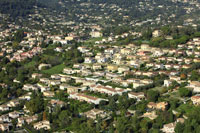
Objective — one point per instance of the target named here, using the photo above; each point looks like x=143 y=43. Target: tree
x=112 y=105
x=194 y=75
x=64 y=118
x=122 y=124
x=36 y=104
x=184 y=92
x=18 y=36
x=183 y=76
x=152 y=95
x=179 y=128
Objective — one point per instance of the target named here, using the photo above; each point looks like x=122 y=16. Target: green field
x=54 y=70
x=93 y=40
x=30 y=64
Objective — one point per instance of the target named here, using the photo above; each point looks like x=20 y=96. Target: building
x=42 y=125
x=48 y=94
x=5 y=127
x=167 y=83
x=151 y=115
x=96 y=34
x=92 y=114
x=83 y=97
x=195 y=100
x=160 y=105
x=136 y=95
x=156 y=33
x=169 y=128
x=195 y=85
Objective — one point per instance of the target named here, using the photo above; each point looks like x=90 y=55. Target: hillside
x=17 y=7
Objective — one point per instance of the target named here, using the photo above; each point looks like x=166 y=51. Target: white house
x=169 y=128
x=136 y=95
x=42 y=125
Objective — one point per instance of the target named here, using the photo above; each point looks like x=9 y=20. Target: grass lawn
x=186 y=108
x=158 y=89
x=54 y=70
x=30 y=64
x=93 y=40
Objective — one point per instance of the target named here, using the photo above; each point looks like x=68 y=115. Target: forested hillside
x=17 y=7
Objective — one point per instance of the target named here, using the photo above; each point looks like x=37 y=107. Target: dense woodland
x=17 y=7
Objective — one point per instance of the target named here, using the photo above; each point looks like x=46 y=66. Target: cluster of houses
x=21 y=55
x=112 y=65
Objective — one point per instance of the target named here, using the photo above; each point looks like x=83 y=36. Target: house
x=99 y=73
x=5 y=127
x=54 y=102
x=14 y=114
x=5 y=118
x=196 y=60
x=195 y=85
x=89 y=60
x=160 y=105
x=119 y=56
x=89 y=83
x=125 y=51
x=96 y=34
x=145 y=47
x=68 y=71
x=97 y=67
x=151 y=115
x=83 y=97
x=143 y=53
x=41 y=66
x=168 y=66
x=72 y=89
x=103 y=89
x=63 y=86
x=146 y=81
x=77 y=66
x=36 y=75
x=42 y=125
x=65 y=79
x=195 y=100
x=27 y=119
x=175 y=78
x=156 y=33
x=169 y=128
x=4 y=107
x=56 y=76
x=112 y=68
x=181 y=120
x=13 y=103
x=43 y=87
x=167 y=83
x=123 y=69
x=48 y=94
x=25 y=97
x=92 y=114
x=102 y=59
x=158 y=53
x=110 y=51
x=44 y=80
x=186 y=66
x=55 y=82
x=137 y=84
x=135 y=63
x=86 y=72
x=124 y=83
x=136 y=95
x=28 y=87
x=83 y=49
x=151 y=105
